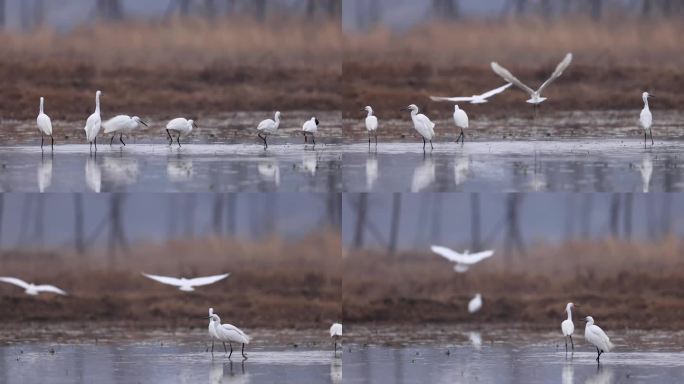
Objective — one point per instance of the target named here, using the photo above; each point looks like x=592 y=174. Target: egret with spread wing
x=187 y=285
x=32 y=289
x=463 y=260
x=474 y=99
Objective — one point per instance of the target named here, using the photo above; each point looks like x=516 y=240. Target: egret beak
x=404 y=109
x=362 y=110
x=649 y=95
x=195 y=125
x=143 y=123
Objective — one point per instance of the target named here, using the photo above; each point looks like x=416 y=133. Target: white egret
x=212 y=332
x=475 y=303
x=32 y=289
x=268 y=127
x=187 y=285
x=535 y=96
x=310 y=127
x=422 y=124
x=94 y=123
x=44 y=125
x=181 y=125
x=463 y=260
x=646 y=118
x=474 y=99
x=595 y=335
x=461 y=121
x=335 y=334
x=567 y=327
x=121 y=124
x=371 y=124
x=229 y=333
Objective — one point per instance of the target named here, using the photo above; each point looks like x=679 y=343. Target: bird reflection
x=423 y=175
x=371 y=172
x=179 y=170
x=310 y=163
x=537 y=182
x=646 y=170
x=461 y=166
x=336 y=371
x=220 y=373
x=475 y=339
x=44 y=174
x=602 y=376
x=269 y=171
x=93 y=175
x=567 y=374
x=120 y=170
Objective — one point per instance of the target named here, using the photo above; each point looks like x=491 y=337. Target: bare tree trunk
x=394 y=225
x=586 y=215
x=520 y=7
x=513 y=240
x=117 y=237
x=25 y=15
x=218 y=214
x=596 y=9
x=334 y=204
x=666 y=215
x=546 y=9
x=360 y=228
x=334 y=9
x=39 y=13
x=646 y=8
x=260 y=9
x=436 y=225
x=475 y=229
x=2 y=213
x=210 y=8
x=374 y=12
x=39 y=229
x=2 y=14
x=627 y=217
x=310 y=8
x=231 y=209
x=110 y=10
x=615 y=215
x=189 y=218
x=78 y=223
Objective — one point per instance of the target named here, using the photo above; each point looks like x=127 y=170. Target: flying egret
x=181 y=125
x=212 y=332
x=461 y=121
x=475 y=303
x=121 y=124
x=268 y=127
x=535 y=96
x=44 y=125
x=229 y=333
x=94 y=123
x=474 y=99
x=32 y=289
x=463 y=260
x=595 y=335
x=335 y=334
x=422 y=124
x=371 y=124
x=646 y=118
x=568 y=327
x=187 y=285
x=310 y=127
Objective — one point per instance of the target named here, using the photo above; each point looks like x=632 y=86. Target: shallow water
x=155 y=363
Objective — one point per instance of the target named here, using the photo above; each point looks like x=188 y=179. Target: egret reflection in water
x=221 y=372
x=336 y=371
x=179 y=170
x=567 y=376
x=120 y=170
x=269 y=171
x=423 y=175
x=44 y=174
x=93 y=175
x=461 y=167
x=310 y=163
x=371 y=171
x=646 y=171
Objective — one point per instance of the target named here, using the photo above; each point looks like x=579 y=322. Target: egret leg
x=111 y=141
x=572 y=343
x=566 y=345
x=313 y=139
x=231 y=350
x=376 y=139
x=95 y=144
x=263 y=138
x=424 y=144
x=369 y=139
x=53 y=142
x=121 y=139
x=170 y=138
x=212 y=347
x=91 y=146
x=41 y=140
x=224 y=347
x=306 y=141
x=645 y=135
x=651 y=132
x=243 y=351
x=178 y=139
x=599 y=354
x=431 y=146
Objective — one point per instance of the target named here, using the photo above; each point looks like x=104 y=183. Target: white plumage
x=187 y=285
x=336 y=334
x=229 y=333
x=475 y=303
x=371 y=124
x=567 y=327
x=646 y=118
x=422 y=124
x=461 y=121
x=94 y=123
x=44 y=124
x=474 y=99
x=212 y=332
x=463 y=260
x=310 y=127
x=180 y=125
x=268 y=127
x=595 y=336
x=122 y=124
x=535 y=96
x=32 y=289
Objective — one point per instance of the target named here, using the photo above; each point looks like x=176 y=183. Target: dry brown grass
x=274 y=283
x=622 y=283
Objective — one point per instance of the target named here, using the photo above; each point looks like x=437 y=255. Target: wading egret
x=94 y=123
x=567 y=327
x=212 y=332
x=44 y=125
x=595 y=335
x=229 y=333
x=463 y=260
x=475 y=303
x=32 y=289
x=268 y=127
x=461 y=121
x=187 y=285
x=474 y=99
x=181 y=125
x=335 y=334
x=310 y=127
x=422 y=124
x=646 y=118
x=535 y=96
x=371 y=124
x=121 y=124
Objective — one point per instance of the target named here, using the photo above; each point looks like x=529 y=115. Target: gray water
x=150 y=363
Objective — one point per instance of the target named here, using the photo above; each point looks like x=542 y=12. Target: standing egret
x=94 y=123
x=461 y=121
x=595 y=335
x=310 y=127
x=568 y=327
x=32 y=289
x=268 y=127
x=463 y=260
x=121 y=124
x=474 y=99
x=212 y=332
x=475 y=303
x=181 y=125
x=371 y=125
x=229 y=333
x=44 y=125
x=422 y=124
x=335 y=334
x=187 y=285
x=535 y=96
x=646 y=118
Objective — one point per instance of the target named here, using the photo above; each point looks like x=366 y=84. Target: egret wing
x=165 y=280
x=451 y=99
x=265 y=124
x=493 y=92
x=15 y=281
x=235 y=333
x=508 y=76
x=448 y=253
x=50 y=288
x=199 y=281
x=558 y=72
x=477 y=257
x=336 y=330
